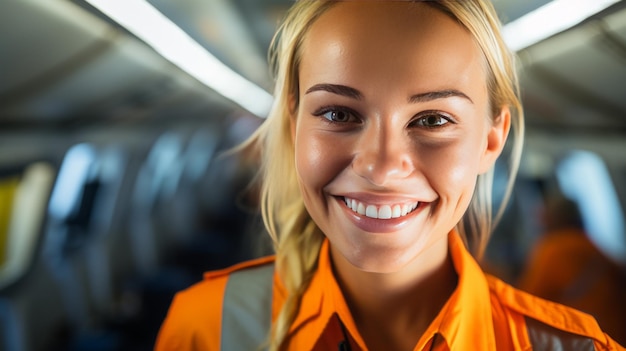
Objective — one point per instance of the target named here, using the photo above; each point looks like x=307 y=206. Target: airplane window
x=164 y=165
x=73 y=172
x=199 y=153
x=584 y=178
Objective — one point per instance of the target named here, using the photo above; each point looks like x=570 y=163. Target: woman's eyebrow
x=440 y=94
x=353 y=93
x=338 y=89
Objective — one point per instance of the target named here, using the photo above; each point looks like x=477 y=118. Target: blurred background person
x=566 y=267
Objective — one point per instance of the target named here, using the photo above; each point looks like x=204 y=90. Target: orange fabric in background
x=566 y=267
x=483 y=313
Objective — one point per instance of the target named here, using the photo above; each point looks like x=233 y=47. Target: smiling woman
x=413 y=130
x=377 y=172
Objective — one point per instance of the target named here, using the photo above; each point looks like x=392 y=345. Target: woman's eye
x=338 y=116
x=432 y=121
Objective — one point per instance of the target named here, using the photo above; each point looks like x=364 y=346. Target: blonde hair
x=297 y=239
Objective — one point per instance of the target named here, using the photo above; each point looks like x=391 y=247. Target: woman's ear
x=496 y=139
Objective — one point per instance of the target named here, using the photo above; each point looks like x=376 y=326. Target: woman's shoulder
x=195 y=315
x=209 y=292
x=545 y=324
x=202 y=303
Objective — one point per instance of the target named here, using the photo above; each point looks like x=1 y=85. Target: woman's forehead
x=360 y=41
x=390 y=23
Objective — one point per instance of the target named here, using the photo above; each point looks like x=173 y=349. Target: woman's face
x=392 y=129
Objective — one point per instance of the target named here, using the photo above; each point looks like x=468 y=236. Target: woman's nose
x=382 y=156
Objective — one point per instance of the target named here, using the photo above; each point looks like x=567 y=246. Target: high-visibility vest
x=247 y=309
x=247 y=314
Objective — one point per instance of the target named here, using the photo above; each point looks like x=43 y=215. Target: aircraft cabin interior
x=116 y=191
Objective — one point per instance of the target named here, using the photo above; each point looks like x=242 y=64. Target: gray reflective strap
x=544 y=337
x=247 y=309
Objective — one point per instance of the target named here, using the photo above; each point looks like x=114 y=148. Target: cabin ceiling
x=65 y=64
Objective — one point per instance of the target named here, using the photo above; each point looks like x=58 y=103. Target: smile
x=380 y=212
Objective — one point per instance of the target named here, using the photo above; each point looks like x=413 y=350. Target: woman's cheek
x=316 y=160
x=451 y=169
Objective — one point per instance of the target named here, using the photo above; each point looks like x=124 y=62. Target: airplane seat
x=81 y=246
x=121 y=264
x=182 y=216
x=108 y=256
x=165 y=210
x=155 y=242
x=155 y=183
x=227 y=199
x=27 y=287
x=116 y=284
x=197 y=158
x=67 y=231
x=175 y=235
x=88 y=247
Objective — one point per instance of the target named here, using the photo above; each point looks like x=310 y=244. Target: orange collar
x=464 y=321
x=467 y=323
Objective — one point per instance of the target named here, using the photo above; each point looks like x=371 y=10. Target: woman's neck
x=393 y=310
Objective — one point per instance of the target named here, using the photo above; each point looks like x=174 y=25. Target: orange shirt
x=483 y=313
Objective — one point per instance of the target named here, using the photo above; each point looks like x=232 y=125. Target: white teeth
x=397 y=211
x=371 y=211
x=360 y=209
x=382 y=212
